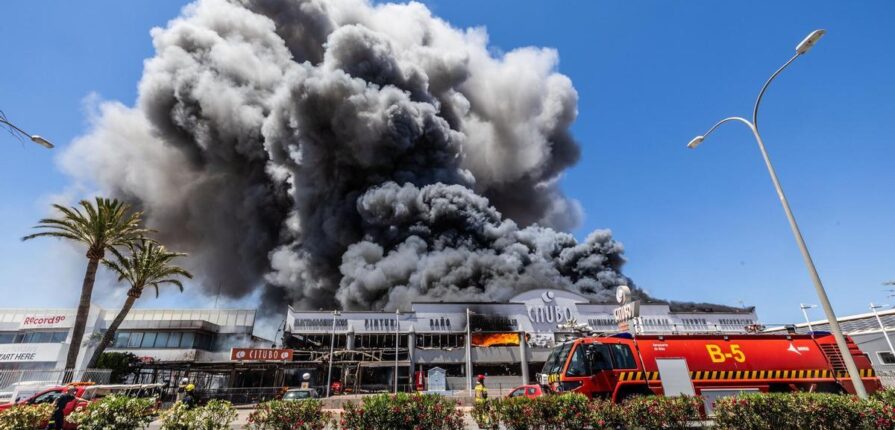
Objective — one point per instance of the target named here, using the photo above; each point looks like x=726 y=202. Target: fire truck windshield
x=557 y=359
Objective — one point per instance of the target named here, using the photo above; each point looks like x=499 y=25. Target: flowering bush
x=25 y=417
x=807 y=411
x=886 y=396
x=403 y=412
x=660 y=412
x=114 y=412
x=289 y=415
x=216 y=415
x=566 y=411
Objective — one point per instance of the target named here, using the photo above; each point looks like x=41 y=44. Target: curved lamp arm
x=34 y=138
x=699 y=139
x=765 y=87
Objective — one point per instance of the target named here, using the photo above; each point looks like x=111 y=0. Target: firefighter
x=189 y=396
x=481 y=392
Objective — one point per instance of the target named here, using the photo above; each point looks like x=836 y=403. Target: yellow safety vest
x=481 y=393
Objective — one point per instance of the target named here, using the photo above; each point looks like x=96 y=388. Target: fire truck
x=621 y=366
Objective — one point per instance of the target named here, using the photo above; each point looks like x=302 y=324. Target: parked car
x=296 y=394
x=530 y=391
x=49 y=396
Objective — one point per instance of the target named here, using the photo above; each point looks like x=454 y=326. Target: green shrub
x=802 y=411
x=114 y=412
x=216 y=415
x=403 y=411
x=486 y=414
x=659 y=412
x=25 y=416
x=603 y=414
x=289 y=415
x=886 y=396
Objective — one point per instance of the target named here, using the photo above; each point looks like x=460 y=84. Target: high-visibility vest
x=481 y=393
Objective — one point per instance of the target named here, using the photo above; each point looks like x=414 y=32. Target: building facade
x=38 y=339
x=509 y=341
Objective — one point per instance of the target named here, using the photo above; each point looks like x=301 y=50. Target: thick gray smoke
x=334 y=152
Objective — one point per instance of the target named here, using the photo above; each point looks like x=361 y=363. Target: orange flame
x=495 y=339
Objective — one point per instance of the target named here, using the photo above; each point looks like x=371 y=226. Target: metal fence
x=9 y=378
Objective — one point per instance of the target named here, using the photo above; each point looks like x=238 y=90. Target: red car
x=530 y=391
x=49 y=396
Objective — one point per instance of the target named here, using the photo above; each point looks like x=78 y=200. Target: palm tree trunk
x=77 y=334
x=110 y=333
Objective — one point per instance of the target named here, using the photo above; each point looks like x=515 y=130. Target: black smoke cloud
x=340 y=153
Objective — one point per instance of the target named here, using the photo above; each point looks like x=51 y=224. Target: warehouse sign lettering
x=320 y=323
x=260 y=354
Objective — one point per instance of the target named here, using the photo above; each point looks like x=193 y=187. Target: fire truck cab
x=620 y=366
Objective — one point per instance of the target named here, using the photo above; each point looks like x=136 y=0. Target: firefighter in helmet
x=481 y=392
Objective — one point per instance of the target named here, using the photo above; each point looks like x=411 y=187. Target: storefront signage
x=627 y=312
x=17 y=352
x=260 y=354
x=549 y=310
x=319 y=323
x=46 y=321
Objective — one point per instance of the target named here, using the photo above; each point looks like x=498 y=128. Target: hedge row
x=804 y=411
x=575 y=411
x=797 y=411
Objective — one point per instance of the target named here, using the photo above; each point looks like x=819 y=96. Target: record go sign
x=260 y=354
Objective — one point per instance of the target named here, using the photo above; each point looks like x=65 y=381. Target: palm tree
x=148 y=265
x=103 y=226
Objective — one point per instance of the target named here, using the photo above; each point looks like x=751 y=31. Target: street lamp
x=332 y=345
x=802 y=48
x=397 y=339
x=34 y=138
x=805 y=308
x=873 y=308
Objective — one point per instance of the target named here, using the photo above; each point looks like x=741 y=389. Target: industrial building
x=508 y=341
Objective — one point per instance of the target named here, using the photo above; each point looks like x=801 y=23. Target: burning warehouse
x=507 y=341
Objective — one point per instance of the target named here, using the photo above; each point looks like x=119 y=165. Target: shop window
x=174 y=340
x=121 y=339
x=135 y=340
x=59 y=336
x=148 y=340
x=161 y=341
x=187 y=340
x=7 y=337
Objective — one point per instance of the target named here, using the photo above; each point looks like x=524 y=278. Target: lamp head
x=805 y=45
x=41 y=141
x=695 y=142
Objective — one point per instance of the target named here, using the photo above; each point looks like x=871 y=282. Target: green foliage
x=566 y=411
x=289 y=415
x=122 y=365
x=147 y=265
x=886 y=396
x=114 y=412
x=216 y=415
x=803 y=411
x=25 y=416
x=403 y=412
x=660 y=412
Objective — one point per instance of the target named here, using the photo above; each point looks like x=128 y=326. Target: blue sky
x=697 y=225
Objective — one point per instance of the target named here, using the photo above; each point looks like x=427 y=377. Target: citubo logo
x=549 y=312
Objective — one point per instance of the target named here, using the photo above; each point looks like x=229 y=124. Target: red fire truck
x=621 y=366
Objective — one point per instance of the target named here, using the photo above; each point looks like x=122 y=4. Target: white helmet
x=184 y=381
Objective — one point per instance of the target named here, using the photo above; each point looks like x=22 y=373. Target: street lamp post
x=873 y=308
x=802 y=48
x=805 y=312
x=397 y=339
x=33 y=137
x=332 y=347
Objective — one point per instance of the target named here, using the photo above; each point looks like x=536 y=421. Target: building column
x=349 y=341
x=523 y=357
x=411 y=355
x=468 y=354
